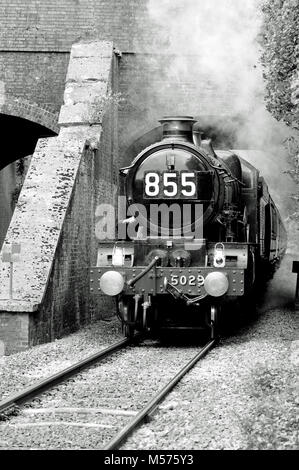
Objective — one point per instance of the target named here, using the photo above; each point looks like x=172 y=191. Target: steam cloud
x=217 y=40
x=221 y=35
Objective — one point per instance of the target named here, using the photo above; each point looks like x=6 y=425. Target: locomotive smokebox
x=178 y=127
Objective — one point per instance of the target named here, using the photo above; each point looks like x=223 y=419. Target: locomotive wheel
x=126 y=310
x=144 y=319
x=214 y=319
x=128 y=327
x=129 y=331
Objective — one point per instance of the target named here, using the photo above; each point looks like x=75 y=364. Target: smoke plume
x=221 y=35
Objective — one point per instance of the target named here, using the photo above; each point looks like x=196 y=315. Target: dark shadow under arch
x=19 y=138
x=31 y=111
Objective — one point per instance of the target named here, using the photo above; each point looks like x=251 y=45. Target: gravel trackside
x=242 y=395
x=87 y=411
x=25 y=368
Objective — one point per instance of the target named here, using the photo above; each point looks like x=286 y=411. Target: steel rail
x=45 y=384
x=154 y=402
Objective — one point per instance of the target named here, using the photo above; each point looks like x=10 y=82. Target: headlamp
x=112 y=283
x=216 y=284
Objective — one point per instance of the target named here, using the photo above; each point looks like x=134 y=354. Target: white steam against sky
x=221 y=35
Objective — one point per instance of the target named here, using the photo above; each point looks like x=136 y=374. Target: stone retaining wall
x=54 y=217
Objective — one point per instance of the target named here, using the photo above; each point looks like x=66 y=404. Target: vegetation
x=280 y=58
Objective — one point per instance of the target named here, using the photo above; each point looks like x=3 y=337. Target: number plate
x=187 y=280
x=170 y=185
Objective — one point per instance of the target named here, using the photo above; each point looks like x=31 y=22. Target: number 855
x=170 y=184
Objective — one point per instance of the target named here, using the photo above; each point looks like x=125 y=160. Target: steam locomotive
x=199 y=231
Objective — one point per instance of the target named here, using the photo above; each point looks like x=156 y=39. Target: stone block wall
x=54 y=217
x=36 y=38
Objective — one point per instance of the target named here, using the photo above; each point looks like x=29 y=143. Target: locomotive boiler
x=198 y=230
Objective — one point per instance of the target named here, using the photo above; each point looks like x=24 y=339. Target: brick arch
x=22 y=108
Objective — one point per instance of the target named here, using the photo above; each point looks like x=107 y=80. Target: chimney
x=178 y=127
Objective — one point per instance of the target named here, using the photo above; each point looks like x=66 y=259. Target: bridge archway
x=20 y=107
x=22 y=123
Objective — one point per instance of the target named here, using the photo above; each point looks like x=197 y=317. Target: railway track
x=149 y=408
x=134 y=418
x=36 y=389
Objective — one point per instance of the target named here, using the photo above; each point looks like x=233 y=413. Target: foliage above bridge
x=280 y=58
